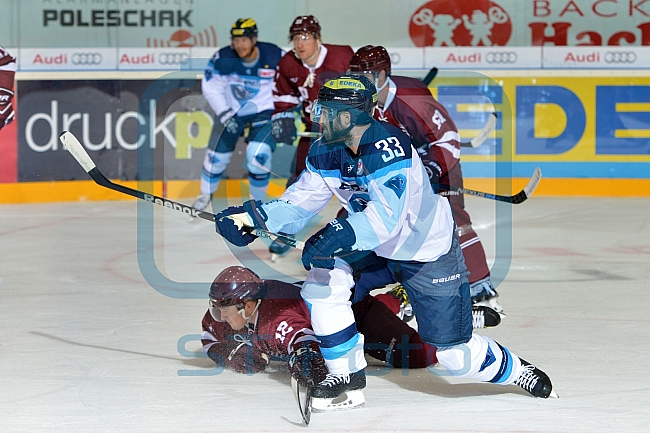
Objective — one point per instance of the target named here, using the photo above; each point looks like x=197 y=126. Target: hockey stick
x=430 y=76
x=520 y=197
x=489 y=127
x=75 y=148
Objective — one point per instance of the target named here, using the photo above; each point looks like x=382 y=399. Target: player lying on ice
x=252 y=321
x=397 y=221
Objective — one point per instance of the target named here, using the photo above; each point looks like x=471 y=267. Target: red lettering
x=645 y=33
x=558 y=38
x=136 y=60
x=575 y=9
x=582 y=58
x=471 y=58
x=616 y=38
x=61 y=59
x=541 y=5
x=595 y=5
x=635 y=6
x=594 y=38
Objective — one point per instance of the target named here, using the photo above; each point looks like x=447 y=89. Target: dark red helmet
x=235 y=285
x=304 y=24
x=370 y=59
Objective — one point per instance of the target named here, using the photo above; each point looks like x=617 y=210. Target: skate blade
x=491 y=306
x=553 y=394
x=345 y=401
x=275 y=257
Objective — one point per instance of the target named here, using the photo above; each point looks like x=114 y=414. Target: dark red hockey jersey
x=297 y=83
x=7 y=71
x=411 y=107
x=282 y=324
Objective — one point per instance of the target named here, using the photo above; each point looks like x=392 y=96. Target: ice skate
x=484 y=317
x=278 y=249
x=405 y=309
x=487 y=296
x=339 y=392
x=201 y=203
x=535 y=381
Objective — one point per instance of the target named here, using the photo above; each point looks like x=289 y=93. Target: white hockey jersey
x=231 y=84
x=385 y=189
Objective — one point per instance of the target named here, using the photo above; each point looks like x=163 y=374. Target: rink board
x=587 y=130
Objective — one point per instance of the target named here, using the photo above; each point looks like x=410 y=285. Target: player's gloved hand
x=306 y=365
x=8 y=117
x=433 y=171
x=320 y=248
x=234 y=223
x=225 y=116
x=6 y=108
x=283 y=127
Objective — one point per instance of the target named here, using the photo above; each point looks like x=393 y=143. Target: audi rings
x=501 y=57
x=620 y=57
x=172 y=58
x=86 y=59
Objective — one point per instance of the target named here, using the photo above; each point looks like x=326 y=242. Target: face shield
x=221 y=313
x=317 y=110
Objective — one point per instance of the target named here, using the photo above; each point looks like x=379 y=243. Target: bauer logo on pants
x=446 y=279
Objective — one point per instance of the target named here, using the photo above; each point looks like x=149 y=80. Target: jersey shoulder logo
x=397 y=184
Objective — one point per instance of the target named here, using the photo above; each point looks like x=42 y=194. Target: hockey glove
x=225 y=117
x=229 y=121
x=434 y=172
x=307 y=366
x=6 y=109
x=283 y=127
x=235 y=222
x=320 y=248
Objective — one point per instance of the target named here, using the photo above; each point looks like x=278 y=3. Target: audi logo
x=620 y=57
x=395 y=58
x=86 y=59
x=171 y=58
x=501 y=57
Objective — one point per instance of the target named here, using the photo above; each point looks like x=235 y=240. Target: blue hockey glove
x=320 y=248
x=232 y=223
x=283 y=127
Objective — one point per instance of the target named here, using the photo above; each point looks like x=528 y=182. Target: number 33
x=390 y=153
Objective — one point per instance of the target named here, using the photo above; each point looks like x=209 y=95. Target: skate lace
x=243 y=341
x=400 y=293
x=478 y=319
x=527 y=378
x=335 y=379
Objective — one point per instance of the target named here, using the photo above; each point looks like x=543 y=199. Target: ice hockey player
x=253 y=321
x=408 y=104
x=7 y=71
x=300 y=75
x=238 y=85
x=394 y=218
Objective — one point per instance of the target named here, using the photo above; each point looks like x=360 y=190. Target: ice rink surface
x=88 y=345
